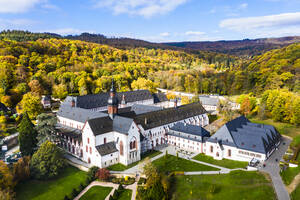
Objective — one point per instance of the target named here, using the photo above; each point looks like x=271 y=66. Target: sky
x=156 y=20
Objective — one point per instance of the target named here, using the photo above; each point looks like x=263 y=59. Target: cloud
x=243 y=6
x=194 y=33
x=67 y=31
x=145 y=8
x=16 y=23
x=240 y=24
x=17 y=6
x=265 y=26
x=165 y=34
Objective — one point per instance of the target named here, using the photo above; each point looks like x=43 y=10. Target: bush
x=67 y=197
x=92 y=172
x=111 y=197
x=103 y=174
x=120 y=188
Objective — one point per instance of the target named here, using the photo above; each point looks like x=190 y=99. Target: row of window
x=249 y=154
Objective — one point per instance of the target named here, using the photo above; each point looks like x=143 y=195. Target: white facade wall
x=69 y=122
x=186 y=144
x=231 y=153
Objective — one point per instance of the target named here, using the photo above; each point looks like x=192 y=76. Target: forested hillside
x=60 y=67
x=244 y=48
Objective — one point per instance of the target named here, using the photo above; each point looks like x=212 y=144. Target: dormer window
x=254 y=146
x=242 y=143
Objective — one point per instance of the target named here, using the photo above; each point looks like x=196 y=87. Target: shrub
x=120 y=188
x=126 y=178
x=92 y=172
x=67 y=197
x=111 y=197
x=103 y=174
x=74 y=193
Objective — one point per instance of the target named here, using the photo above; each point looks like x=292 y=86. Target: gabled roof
x=108 y=148
x=140 y=108
x=190 y=129
x=206 y=100
x=69 y=132
x=243 y=134
x=78 y=114
x=169 y=115
x=104 y=125
x=100 y=100
x=160 y=97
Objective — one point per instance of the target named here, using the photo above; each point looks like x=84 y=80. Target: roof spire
x=112 y=89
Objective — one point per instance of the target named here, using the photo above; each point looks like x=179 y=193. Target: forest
x=31 y=67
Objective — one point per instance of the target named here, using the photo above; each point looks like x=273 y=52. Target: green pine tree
x=27 y=136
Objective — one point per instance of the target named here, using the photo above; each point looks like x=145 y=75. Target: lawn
x=295 y=195
x=172 y=163
x=96 y=193
x=125 y=195
x=235 y=185
x=120 y=167
x=51 y=189
x=289 y=174
x=283 y=128
x=231 y=164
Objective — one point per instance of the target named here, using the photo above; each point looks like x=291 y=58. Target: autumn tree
x=47 y=161
x=31 y=104
x=27 y=136
x=103 y=174
x=21 y=170
x=142 y=83
x=6 y=177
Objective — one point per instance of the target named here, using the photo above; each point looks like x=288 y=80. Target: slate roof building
x=242 y=140
x=188 y=137
x=209 y=103
x=120 y=133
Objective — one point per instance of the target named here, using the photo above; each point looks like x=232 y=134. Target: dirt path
x=291 y=187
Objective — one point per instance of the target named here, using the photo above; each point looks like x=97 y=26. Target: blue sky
x=156 y=20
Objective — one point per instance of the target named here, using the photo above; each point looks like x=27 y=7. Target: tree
x=246 y=107
x=21 y=169
x=224 y=109
x=6 y=178
x=46 y=128
x=47 y=162
x=31 y=104
x=7 y=194
x=103 y=174
x=60 y=91
x=27 y=136
x=142 y=83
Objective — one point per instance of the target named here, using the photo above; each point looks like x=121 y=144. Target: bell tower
x=112 y=103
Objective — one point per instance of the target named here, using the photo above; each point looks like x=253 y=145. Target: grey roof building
x=107 y=148
x=243 y=134
x=206 y=100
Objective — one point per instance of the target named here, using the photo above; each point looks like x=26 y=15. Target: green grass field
x=172 y=163
x=236 y=185
x=295 y=195
x=51 y=189
x=231 y=164
x=125 y=195
x=120 y=167
x=283 y=128
x=96 y=193
x=289 y=174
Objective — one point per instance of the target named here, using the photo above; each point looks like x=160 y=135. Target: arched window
x=133 y=143
x=211 y=149
x=229 y=152
x=104 y=140
x=121 y=148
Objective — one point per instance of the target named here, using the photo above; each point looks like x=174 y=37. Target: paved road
x=273 y=169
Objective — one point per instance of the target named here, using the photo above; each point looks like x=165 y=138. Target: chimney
x=73 y=103
x=175 y=103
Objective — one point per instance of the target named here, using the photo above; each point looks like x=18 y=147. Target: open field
x=55 y=188
x=235 y=185
x=96 y=193
x=231 y=164
x=172 y=163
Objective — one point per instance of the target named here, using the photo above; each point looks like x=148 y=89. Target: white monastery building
x=109 y=128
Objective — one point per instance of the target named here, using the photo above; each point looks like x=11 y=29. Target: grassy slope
x=96 y=193
x=172 y=163
x=231 y=164
x=120 y=167
x=236 y=185
x=295 y=195
x=51 y=189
